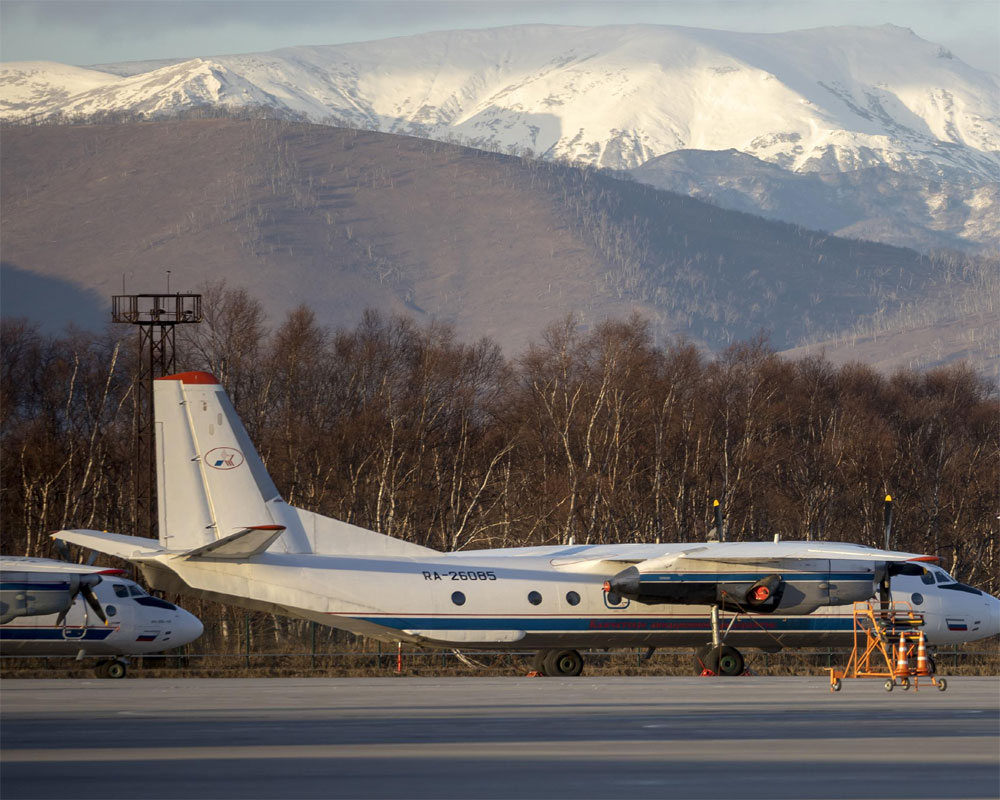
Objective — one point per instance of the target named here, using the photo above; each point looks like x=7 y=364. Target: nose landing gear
x=111 y=668
x=558 y=663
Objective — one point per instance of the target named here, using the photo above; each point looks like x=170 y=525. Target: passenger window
x=928 y=578
x=120 y=590
x=534 y=598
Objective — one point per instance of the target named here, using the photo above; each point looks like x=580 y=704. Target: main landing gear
x=718 y=658
x=558 y=663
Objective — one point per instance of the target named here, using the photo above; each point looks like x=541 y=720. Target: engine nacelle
x=795 y=587
x=28 y=594
x=761 y=596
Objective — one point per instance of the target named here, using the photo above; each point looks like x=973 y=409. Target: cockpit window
x=928 y=578
x=121 y=590
x=135 y=591
x=155 y=602
x=944 y=577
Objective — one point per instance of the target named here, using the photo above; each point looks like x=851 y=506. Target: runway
x=497 y=738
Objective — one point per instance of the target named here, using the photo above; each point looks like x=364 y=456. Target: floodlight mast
x=156 y=316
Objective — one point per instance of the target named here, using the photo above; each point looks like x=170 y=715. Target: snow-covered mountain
x=899 y=207
x=828 y=100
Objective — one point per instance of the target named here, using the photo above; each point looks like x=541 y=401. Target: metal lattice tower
x=157 y=316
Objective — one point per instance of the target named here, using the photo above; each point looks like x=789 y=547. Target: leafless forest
x=591 y=437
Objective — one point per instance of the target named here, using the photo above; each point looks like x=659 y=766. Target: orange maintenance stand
x=886 y=637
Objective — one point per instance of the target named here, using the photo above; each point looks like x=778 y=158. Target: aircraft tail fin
x=211 y=482
x=216 y=500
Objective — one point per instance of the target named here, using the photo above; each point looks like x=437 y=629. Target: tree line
x=589 y=436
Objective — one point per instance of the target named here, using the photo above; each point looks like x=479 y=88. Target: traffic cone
x=902 y=663
x=922 y=666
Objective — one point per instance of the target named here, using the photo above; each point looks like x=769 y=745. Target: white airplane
x=226 y=534
x=52 y=608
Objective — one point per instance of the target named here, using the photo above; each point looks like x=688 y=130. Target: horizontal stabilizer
x=241 y=545
x=48 y=565
x=131 y=548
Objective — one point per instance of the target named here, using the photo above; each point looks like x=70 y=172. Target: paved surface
x=520 y=738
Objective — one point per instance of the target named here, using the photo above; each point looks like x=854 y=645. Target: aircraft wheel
x=942 y=684
x=101 y=669
x=564 y=663
x=703 y=659
x=730 y=661
x=115 y=669
x=888 y=686
x=538 y=661
x=722 y=660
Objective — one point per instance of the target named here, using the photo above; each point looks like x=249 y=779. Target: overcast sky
x=93 y=32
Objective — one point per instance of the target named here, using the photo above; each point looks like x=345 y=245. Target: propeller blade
x=75 y=581
x=92 y=558
x=62 y=549
x=887 y=518
x=92 y=600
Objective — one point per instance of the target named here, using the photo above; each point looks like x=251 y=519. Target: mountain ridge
x=826 y=101
x=496 y=245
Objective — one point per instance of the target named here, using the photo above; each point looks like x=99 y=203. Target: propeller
x=884 y=588
x=887 y=520
x=84 y=585
x=718 y=533
x=63 y=549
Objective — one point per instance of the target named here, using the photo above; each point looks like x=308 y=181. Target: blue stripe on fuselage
x=719 y=577
x=54 y=634
x=575 y=624
x=35 y=586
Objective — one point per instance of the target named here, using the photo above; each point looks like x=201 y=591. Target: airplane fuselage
x=137 y=623
x=518 y=600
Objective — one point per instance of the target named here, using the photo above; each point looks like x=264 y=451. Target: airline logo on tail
x=224 y=458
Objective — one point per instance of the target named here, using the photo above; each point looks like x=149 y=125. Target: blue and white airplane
x=226 y=534
x=53 y=608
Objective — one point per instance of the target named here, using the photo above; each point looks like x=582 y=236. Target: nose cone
x=187 y=628
x=992 y=622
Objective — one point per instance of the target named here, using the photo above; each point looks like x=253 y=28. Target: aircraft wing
x=766 y=552
x=600 y=559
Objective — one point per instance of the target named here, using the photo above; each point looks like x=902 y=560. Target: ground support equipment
x=886 y=637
